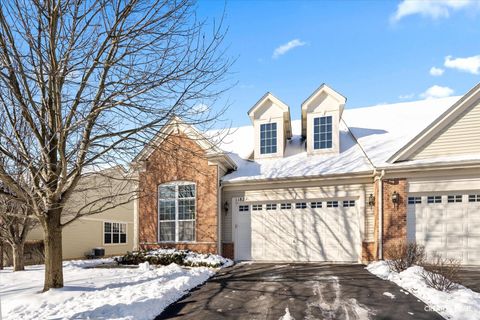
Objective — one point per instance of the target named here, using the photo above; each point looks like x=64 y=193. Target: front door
x=242 y=224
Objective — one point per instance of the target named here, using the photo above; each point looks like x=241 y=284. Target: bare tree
x=94 y=80
x=16 y=221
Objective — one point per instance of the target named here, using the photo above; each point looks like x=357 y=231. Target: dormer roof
x=268 y=100
x=317 y=98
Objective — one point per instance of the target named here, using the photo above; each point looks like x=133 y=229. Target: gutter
x=432 y=166
x=361 y=174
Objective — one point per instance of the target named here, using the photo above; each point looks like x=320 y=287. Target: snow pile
x=97 y=293
x=199 y=259
x=180 y=257
x=461 y=304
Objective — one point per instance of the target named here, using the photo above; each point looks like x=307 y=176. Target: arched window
x=176 y=211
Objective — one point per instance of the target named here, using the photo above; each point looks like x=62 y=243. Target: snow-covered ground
x=94 y=293
x=461 y=304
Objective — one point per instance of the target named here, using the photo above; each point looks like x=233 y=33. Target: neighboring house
x=111 y=229
x=337 y=185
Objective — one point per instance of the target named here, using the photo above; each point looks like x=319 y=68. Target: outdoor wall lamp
x=225 y=207
x=371 y=200
x=395 y=198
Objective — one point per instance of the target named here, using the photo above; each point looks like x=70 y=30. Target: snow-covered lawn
x=461 y=304
x=117 y=293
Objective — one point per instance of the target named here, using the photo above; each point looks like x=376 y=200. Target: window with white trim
x=474 y=198
x=285 y=206
x=243 y=208
x=348 y=203
x=434 y=199
x=322 y=132
x=414 y=200
x=454 y=198
x=315 y=205
x=332 y=204
x=114 y=232
x=268 y=138
x=300 y=205
x=176 y=212
x=256 y=207
x=271 y=206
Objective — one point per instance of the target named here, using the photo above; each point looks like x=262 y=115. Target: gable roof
x=470 y=99
x=175 y=124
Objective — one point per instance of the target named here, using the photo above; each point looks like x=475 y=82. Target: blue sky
x=372 y=52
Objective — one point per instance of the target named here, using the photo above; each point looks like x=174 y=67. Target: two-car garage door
x=448 y=224
x=298 y=231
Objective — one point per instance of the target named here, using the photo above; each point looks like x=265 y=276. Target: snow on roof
x=380 y=130
x=295 y=163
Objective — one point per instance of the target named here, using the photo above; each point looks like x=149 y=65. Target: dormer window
x=321 y=116
x=268 y=138
x=271 y=126
x=322 y=132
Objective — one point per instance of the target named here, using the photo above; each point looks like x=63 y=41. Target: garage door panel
x=450 y=229
x=307 y=234
x=455 y=227
x=455 y=242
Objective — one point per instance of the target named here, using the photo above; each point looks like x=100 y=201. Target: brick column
x=394 y=215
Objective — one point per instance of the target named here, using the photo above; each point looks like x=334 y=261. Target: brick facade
x=179 y=158
x=394 y=215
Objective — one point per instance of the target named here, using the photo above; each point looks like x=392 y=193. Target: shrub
x=167 y=256
x=441 y=273
x=403 y=255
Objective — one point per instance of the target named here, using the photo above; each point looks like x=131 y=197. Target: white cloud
x=469 y=64
x=406 y=96
x=437 y=92
x=199 y=108
x=284 y=48
x=436 y=72
x=434 y=9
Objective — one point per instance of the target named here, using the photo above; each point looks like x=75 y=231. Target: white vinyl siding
x=457 y=139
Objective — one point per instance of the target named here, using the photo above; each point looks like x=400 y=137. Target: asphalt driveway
x=308 y=291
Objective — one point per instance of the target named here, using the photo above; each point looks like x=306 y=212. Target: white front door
x=242 y=231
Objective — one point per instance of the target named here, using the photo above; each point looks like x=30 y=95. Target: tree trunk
x=53 y=255
x=18 y=258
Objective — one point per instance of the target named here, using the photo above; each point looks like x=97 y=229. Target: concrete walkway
x=305 y=291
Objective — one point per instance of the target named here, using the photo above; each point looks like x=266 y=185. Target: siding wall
x=457 y=139
x=81 y=236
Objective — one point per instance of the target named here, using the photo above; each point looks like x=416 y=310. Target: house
x=337 y=185
x=112 y=229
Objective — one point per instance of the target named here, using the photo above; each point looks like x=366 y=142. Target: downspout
x=380 y=215
x=219 y=205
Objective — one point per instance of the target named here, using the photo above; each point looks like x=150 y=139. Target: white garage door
x=301 y=231
x=446 y=224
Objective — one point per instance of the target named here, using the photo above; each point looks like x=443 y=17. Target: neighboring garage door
x=446 y=224
x=300 y=231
